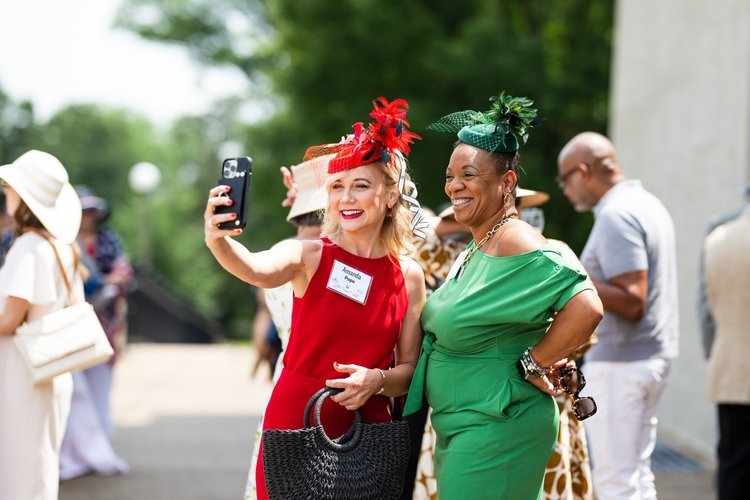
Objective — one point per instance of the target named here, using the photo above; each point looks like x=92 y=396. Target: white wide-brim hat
x=310 y=178
x=42 y=183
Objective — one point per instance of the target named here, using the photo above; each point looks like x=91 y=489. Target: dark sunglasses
x=572 y=381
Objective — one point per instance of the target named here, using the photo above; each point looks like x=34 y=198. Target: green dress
x=495 y=431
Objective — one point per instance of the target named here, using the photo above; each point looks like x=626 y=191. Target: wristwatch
x=528 y=368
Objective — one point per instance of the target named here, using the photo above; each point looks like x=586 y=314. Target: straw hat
x=310 y=178
x=527 y=198
x=42 y=183
x=530 y=198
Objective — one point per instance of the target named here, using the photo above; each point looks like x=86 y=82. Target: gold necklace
x=486 y=238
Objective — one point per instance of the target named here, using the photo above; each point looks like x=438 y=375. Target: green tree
x=323 y=61
x=17 y=128
x=195 y=145
x=99 y=146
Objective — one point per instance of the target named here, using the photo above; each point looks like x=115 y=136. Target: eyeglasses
x=562 y=180
x=572 y=381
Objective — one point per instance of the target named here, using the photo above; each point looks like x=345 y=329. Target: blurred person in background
x=86 y=447
x=6 y=229
x=705 y=316
x=630 y=256
x=727 y=288
x=46 y=214
x=307 y=199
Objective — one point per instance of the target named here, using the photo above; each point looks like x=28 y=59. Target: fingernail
x=239 y=231
x=234 y=216
x=226 y=188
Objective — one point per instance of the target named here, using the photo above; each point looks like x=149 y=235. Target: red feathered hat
x=388 y=133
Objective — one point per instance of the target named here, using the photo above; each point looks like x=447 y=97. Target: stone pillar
x=680 y=116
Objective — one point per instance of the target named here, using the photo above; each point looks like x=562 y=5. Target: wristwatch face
x=525 y=370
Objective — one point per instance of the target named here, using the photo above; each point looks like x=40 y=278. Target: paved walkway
x=187 y=416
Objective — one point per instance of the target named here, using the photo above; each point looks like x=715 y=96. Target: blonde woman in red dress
x=357 y=296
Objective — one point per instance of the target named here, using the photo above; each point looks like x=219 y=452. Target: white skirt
x=32 y=424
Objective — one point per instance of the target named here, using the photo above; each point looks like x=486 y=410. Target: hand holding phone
x=236 y=173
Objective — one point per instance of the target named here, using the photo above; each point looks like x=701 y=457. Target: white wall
x=680 y=106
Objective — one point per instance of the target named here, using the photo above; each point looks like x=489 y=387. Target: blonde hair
x=395 y=233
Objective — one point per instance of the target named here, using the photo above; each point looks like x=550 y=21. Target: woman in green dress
x=492 y=353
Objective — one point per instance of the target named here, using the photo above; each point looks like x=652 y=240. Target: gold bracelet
x=383 y=387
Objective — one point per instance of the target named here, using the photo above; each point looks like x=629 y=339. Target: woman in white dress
x=86 y=447
x=46 y=212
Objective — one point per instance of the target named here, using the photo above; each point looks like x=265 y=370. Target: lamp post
x=144 y=178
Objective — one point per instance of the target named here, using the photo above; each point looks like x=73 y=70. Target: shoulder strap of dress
x=59 y=262
x=328 y=246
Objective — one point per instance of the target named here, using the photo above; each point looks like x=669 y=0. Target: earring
x=389 y=212
x=507 y=201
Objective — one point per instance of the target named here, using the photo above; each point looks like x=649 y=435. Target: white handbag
x=63 y=341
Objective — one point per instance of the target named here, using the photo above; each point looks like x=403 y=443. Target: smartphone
x=236 y=173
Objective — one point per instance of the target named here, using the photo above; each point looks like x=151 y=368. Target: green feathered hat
x=502 y=129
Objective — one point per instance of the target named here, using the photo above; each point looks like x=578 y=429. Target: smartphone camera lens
x=230 y=169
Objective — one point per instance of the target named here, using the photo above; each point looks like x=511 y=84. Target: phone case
x=238 y=179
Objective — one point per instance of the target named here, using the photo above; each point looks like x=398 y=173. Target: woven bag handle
x=341 y=439
x=355 y=431
x=59 y=263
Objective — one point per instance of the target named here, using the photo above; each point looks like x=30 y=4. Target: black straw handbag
x=367 y=462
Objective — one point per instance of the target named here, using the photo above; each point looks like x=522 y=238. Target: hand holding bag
x=368 y=462
x=63 y=341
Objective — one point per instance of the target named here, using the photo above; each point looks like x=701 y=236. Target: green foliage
x=17 y=128
x=99 y=146
x=314 y=68
x=327 y=60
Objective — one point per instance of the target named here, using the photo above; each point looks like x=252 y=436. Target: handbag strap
x=59 y=263
x=350 y=439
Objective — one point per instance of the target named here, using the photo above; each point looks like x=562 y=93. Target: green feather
x=515 y=114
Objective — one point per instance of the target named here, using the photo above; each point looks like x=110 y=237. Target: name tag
x=456 y=267
x=349 y=282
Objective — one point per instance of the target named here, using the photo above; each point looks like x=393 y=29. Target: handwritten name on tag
x=349 y=282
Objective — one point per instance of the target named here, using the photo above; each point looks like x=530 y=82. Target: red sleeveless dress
x=328 y=327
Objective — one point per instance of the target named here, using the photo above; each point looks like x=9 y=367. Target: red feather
x=388 y=131
x=389 y=127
